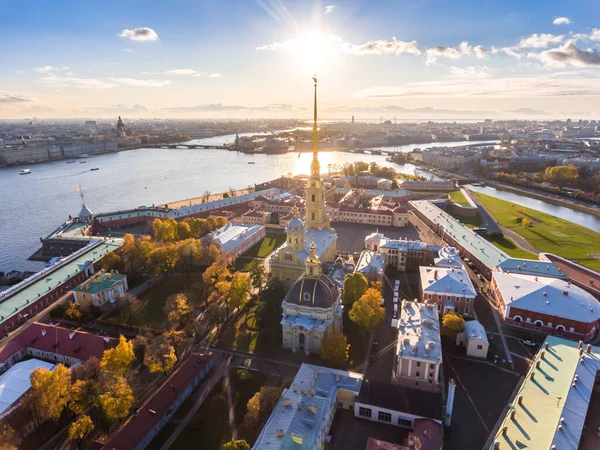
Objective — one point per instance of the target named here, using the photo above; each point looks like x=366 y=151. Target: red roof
x=137 y=426
x=400 y=209
x=55 y=339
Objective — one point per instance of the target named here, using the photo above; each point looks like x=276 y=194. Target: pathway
x=230 y=407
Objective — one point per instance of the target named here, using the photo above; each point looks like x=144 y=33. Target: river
x=31 y=206
x=580 y=218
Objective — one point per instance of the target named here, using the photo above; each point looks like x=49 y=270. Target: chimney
x=537 y=364
x=435 y=274
x=588 y=349
x=520 y=400
x=546 y=346
x=543 y=354
x=450 y=401
x=580 y=345
x=504 y=430
x=532 y=376
x=512 y=414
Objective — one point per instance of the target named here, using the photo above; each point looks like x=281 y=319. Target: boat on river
x=95 y=168
x=82 y=162
x=25 y=172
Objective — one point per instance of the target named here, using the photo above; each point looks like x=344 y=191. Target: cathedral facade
x=288 y=261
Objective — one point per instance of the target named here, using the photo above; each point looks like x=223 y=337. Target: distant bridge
x=191 y=146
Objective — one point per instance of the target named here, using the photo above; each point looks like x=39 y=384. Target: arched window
x=313 y=198
x=539 y=324
x=560 y=330
x=517 y=320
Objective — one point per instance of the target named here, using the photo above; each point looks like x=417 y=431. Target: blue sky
x=247 y=58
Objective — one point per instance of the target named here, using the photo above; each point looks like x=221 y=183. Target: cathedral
x=287 y=263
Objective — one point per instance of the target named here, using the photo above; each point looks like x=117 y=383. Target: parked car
x=529 y=343
x=395 y=314
x=480 y=277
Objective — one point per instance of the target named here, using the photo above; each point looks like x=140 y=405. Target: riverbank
x=545 y=232
x=545 y=197
x=206 y=198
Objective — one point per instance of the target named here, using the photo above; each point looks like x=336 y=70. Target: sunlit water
x=31 y=206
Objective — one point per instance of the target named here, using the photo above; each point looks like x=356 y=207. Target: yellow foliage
x=366 y=312
x=117 y=398
x=117 y=360
x=80 y=428
x=51 y=391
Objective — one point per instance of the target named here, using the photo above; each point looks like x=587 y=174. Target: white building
x=419 y=347
x=448 y=257
x=474 y=339
x=449 y=288
x=16 y=381
x=101 y=288
x=235 y=239
x=371 y=264
x=304 y=413
x=399 y=252
x=252 y=217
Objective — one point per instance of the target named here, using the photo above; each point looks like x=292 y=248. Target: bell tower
x=316 y=217
x=313 y=264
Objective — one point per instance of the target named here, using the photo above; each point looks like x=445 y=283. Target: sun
x=315 y=51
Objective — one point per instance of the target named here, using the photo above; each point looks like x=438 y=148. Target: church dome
x=321 y=292
x=295 y=224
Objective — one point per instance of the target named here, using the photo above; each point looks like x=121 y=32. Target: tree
x=355 y=285
x=111 y=261
x=239 y=290
x=214 y=274
x=190 y=253
x=80 y=429
x=226 y=195
x=177 y=307
x=220 y=221
x=8 y=438
x=50 y=391
x=116 y=398
x=334 y=349
x=525 y=222
x=366 y=312
x=163 y=259
x=128 y=249
x=183 y=231
x=452 y=324
x=129 y=305
x=239 y=444
x=117 y=360
x=160 y=355
x=258 y=276
x=73 y=311
x=83 y=392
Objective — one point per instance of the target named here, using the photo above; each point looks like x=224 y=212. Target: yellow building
x=288 y=261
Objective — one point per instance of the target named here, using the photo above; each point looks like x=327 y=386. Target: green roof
x=48 y=279
x=99 y=283
x=561 y=390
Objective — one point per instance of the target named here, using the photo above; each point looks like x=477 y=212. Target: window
x=384 y=417
x=418 y=374
x=480 y=347
x=312 y=197
x=418 y=363
x=468 y=300
x=306 y=297
x=406 y=423
x=467 y=310
x=364 y=412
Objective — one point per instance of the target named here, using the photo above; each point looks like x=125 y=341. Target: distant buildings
x=101 y=288
x=371 y=264
x=235 y=239
x=419 y=347
x=398 y=252
x=429 y=185
x=450 y=289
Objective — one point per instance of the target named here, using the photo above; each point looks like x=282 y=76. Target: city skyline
x=423 y=60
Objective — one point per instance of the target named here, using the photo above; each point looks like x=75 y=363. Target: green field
x=245 y=264
x=508 y=246
x=547 y=233
x=459 y=198
x=266 y=246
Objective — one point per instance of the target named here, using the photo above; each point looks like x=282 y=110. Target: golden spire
x=315 y=167
x=295 y=210
x=313 y=263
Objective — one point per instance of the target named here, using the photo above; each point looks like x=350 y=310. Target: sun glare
x=315 y=51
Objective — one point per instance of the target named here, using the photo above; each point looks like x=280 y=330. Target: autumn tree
x=238 y=444
x=118 y=360
x=74 y=311
x=355 y=285
x=366 y=312
x=50 y=391
x=525 y=222
x=111 y=261
x=129 y=305
x=239 y=291
x=165 y=230
x=8 y=438
x=116 y=397
x=183 y=231
x=258 y=276
x=214 y=274
x=160 y=355
x=220 y=222
x=259 y=407
x=80 y=429
x=177 y=308
x=334 y=349
x=452 y=324
x=128 y=250
x=164 y=259
x=190 y=253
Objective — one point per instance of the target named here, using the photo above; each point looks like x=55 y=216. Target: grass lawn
x=512 y=249
x=267 y=245
x=547 y=233
x=246 y=335
x=458 y=198
x=209 y=427
x=246 y=264
x=152 y=301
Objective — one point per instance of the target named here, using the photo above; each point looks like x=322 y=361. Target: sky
x=422 y=59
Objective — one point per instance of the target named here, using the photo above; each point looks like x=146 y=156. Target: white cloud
x=558 y=84
x=471 y=72
x=134 y=82
x=329 y=9
x=509 y=51
x=13 y=98
x=542 y=40
x=48 y=69
x=567 y=54
x=393 y=47
x=595 y=35
x=190 y=72
x=562 y=21
x=67 y=81
x=139 y=34
x=464 y=49
x=181 y=72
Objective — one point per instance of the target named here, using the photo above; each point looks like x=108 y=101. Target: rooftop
x=138 y=425
x=551 y=408
x=446 y=280
x=100 y=282
x=231 y=235
x=54 y=339
x=448 y=257
x=401 y=398
x=419 y=332
x=18 y=297
x=297 y=422
x=370 y=263
x=546 y=295
x=16 y=381
x=475 y=331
